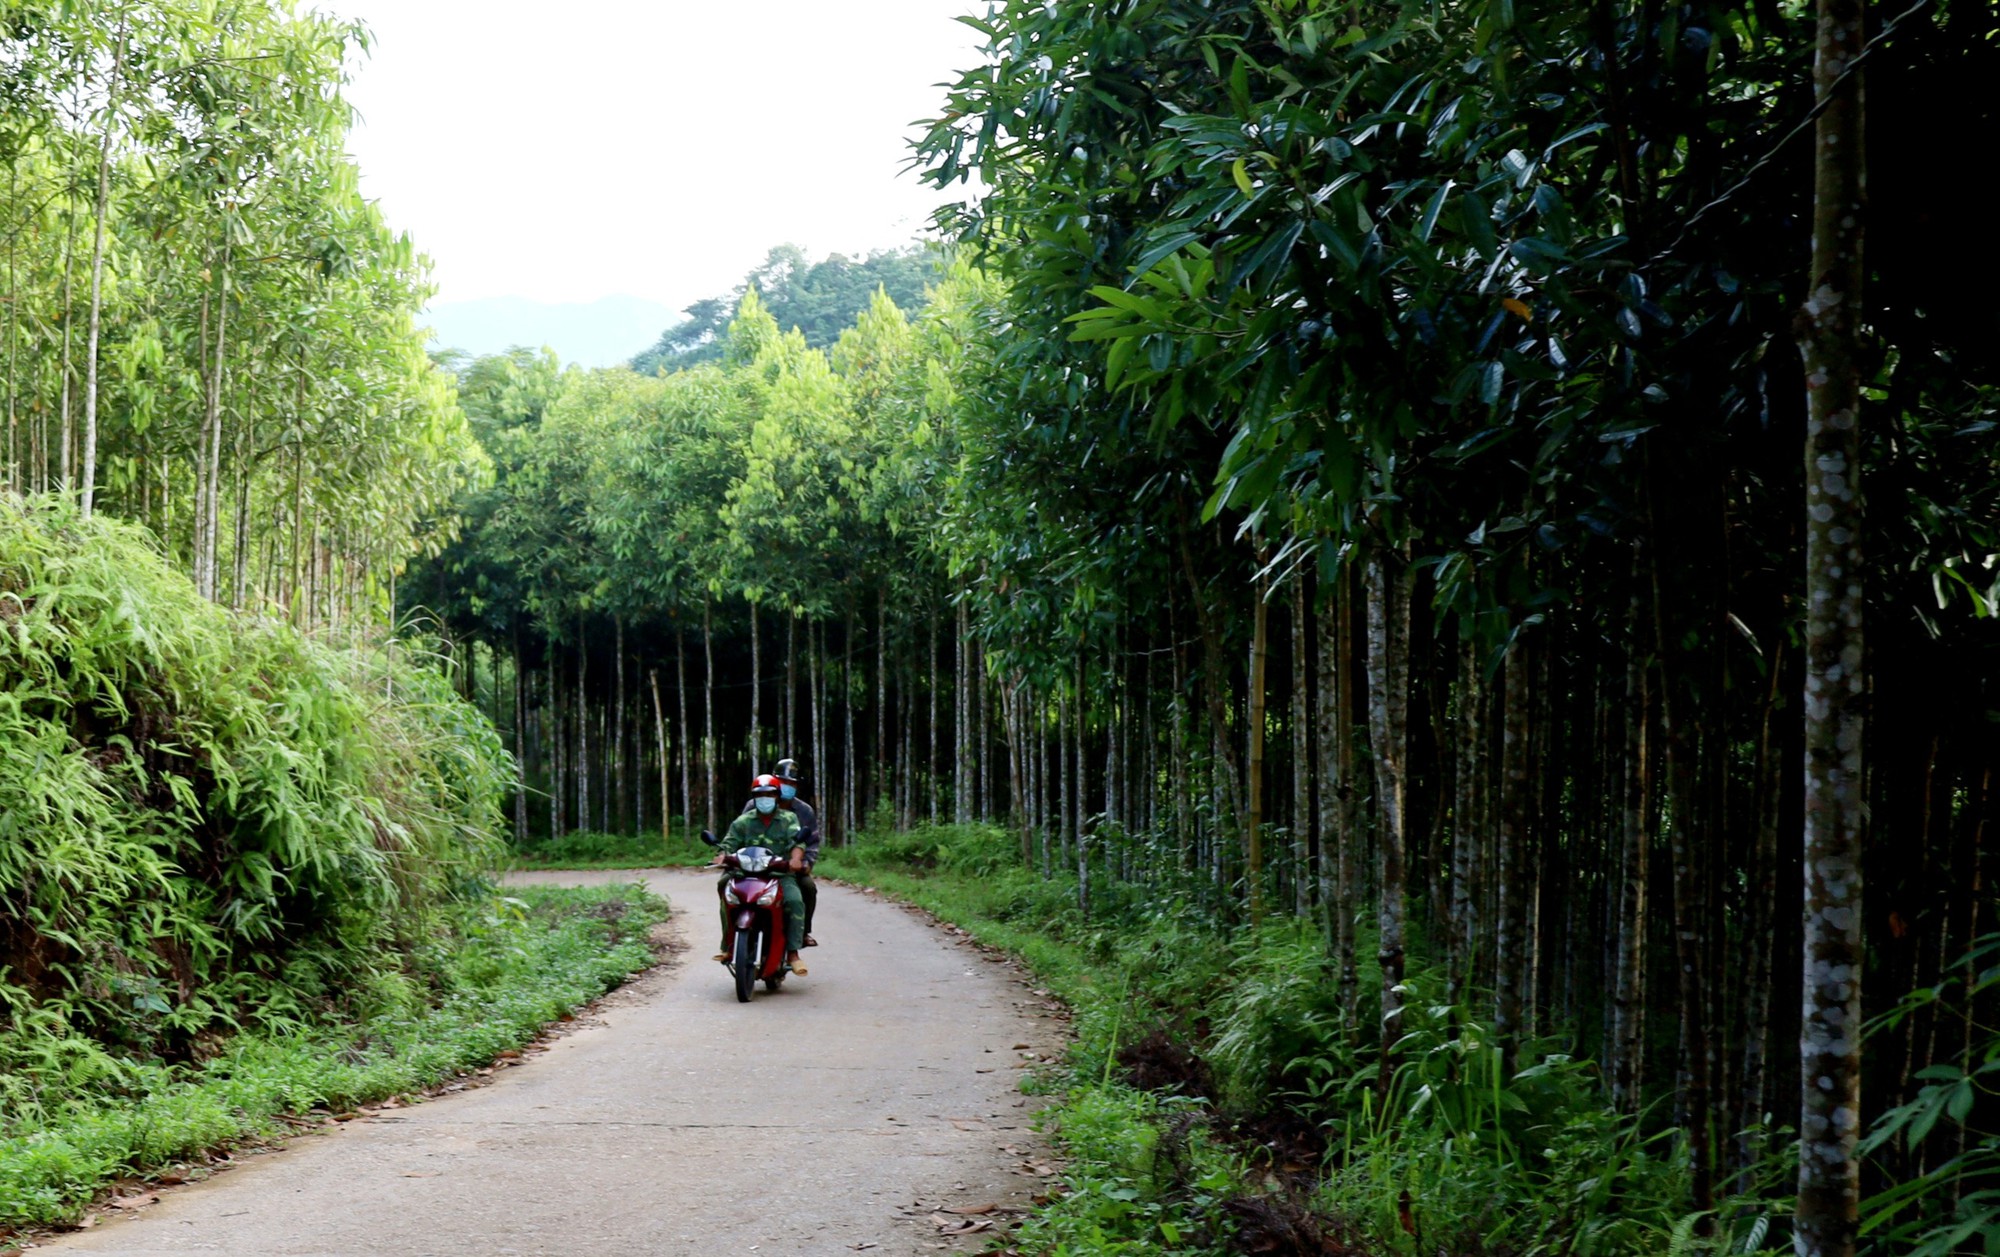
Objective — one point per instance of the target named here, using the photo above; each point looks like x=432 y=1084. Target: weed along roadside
x=1207 y=1104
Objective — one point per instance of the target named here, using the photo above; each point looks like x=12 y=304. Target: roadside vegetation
x=243 y=872
x=1212 y=1102
x=498 y=970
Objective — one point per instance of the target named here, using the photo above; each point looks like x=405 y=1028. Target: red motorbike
x=755 y=940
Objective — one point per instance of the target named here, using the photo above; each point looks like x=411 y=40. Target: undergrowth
x=1215 y=1102
x=502 y=969
x=592 y=849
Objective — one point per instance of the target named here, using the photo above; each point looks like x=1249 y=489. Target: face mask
x=766 y=804
x=790 y=792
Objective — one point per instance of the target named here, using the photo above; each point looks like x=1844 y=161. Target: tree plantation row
x=207 y=329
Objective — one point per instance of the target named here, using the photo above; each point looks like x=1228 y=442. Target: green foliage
x=1475 y=1160
x=207 y=820
x=588 y=849
x=497 y=971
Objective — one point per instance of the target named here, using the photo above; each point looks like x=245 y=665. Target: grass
x=512 y=965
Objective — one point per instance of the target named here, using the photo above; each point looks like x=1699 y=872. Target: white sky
x=655 y=148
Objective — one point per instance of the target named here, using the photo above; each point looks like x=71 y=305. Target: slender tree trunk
x=666 y=771
x=559 y=743
x=877 y=782
x=756 y=695
x=1388 y=700
x=850 y=799
x=686 y=744
x=1628 y=1026
x=790 y=748
x=1466 y=815
x=1347 y=823
x=708 y=710
x=931 y=762
x=520 y=742
x=1836 y=665
x=1253 y=786
x=1082 y=830
x=582 y=729
x=1760 y=913
x=621 y=787
x=97 y=274
x=1510 y=952
x=1303 y=840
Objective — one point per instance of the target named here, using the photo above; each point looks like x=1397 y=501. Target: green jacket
x=779 y=831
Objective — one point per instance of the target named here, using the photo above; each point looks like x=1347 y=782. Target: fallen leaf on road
x=968 y=1123
x=420 y=1173
x=134 y=1201
x=988 y=1207
x=865 y=1244
x=173 y=1178
x=1022 y=1047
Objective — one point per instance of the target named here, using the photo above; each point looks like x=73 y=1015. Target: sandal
x=811 y=941
x=722 y=957
x=798 y=970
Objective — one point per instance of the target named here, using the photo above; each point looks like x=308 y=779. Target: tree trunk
x=756 y=695
x=1346 y=814
x=1466 y=815
x=1388 y=706
x=1253 y=785
x=1628 y=1024
x=520 y=742
x=708 y=711
x=666 y=771
x=1760 y=907
x=1302 y=835
x=686 y=746
x=582 y=729
x=621 y=787
x=1836 y=666
x=1510 y=951
x=97 y=275
x=931 y=761
x=876 y=782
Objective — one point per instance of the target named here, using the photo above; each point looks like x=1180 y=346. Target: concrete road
x=837 y=1116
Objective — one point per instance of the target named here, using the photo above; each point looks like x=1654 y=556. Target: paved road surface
x=679 y=1122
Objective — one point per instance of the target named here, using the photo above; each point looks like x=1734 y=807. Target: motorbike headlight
x=729 y=894
x=769 y=897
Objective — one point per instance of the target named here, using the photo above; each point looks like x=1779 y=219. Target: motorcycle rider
x=789 y=782
x=765 y=824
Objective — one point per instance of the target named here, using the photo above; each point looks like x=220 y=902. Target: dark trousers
x=809 y=892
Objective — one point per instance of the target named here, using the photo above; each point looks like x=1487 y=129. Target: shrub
x=207 y=819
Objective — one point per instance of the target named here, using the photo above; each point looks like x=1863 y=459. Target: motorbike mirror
x=709 y=839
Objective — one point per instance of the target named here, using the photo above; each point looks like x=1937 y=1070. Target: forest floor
x=873 y=1106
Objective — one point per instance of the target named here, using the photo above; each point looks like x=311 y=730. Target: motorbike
x=756 y=935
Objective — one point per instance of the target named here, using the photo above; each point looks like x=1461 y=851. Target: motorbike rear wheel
x=746 y=965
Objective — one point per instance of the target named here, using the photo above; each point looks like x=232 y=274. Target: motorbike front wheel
x=746 y=965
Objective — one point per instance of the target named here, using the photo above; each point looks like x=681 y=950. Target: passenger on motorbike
x=768 y=825
x=789 y=782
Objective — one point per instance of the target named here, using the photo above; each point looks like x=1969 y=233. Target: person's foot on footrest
x=811 y=941
x=798 y=969
x=722 y=956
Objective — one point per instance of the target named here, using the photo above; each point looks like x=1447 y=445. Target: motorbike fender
x=744 y=917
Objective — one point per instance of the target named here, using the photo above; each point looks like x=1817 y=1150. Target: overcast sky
x=655 y=148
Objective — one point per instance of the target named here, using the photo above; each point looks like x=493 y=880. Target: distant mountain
x=601 y=333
